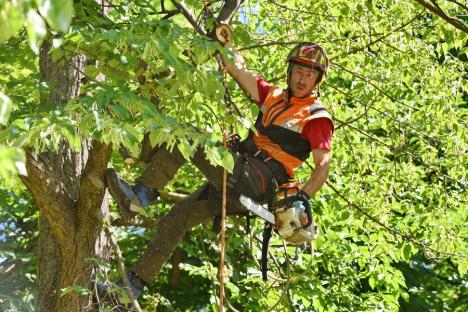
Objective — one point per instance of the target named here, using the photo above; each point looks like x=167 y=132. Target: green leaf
x=406 y=252
x=79 y=289
x=120 y=111
x=462 y=267
x=10 y=19
x=372 y=282
x=58 y=13
x=228 y=161
x=186 y=149
x=36 y=29
x=72 y=137
x=5 y=108
x=12 y=161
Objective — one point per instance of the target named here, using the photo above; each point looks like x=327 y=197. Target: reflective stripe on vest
x=280 y=127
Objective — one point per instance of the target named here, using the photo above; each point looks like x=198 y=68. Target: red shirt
x=318 y=132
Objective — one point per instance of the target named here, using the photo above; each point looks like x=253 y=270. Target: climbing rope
x=223 y=233
x=226 y=136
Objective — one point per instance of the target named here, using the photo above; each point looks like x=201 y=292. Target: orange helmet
x=312 y=55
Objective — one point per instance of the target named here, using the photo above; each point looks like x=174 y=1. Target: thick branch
x=439 y=12
x=51 y=196
x=92 y=187
x=228 y=10
x=172 y=227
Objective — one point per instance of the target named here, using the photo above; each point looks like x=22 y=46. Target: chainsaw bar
x=260 y=210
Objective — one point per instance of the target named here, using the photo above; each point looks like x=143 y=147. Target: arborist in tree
x=291 y=124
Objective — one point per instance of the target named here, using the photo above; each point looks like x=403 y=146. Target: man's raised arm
x=246 y=79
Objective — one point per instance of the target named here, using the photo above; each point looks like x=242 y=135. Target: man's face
x=302 y=80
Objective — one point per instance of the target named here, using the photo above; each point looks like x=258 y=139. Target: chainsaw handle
x=304 y=198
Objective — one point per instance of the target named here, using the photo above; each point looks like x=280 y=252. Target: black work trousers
x=252 y=178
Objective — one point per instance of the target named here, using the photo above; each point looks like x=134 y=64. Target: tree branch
x=439 y=12
x=382 y=37
x=284 y=7
x=10 y=267
x=374 y=85
x=432 y=141
x=136 y=221
x=51 y=196
x=404 y=151
x=92 y=186
x=121 y=269
x=171 y=228
x=405 y=236
x=228 y=10
x=459 y=4
x=189 y=16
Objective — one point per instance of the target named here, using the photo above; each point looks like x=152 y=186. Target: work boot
x=144 y=196
x=130 y=200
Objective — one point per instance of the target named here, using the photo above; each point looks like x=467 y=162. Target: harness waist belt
x=279 y=172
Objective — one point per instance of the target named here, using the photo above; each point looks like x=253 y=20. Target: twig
x=306 y=12
x=10 y=267
x=404 y=151
x=405 y=236
x=368 y=106
x=374 y=85
x=382 y=37
x=121 y=268
x=460 y=4
x=261 y=45
x=135 y=221
x=189 y=16
x=439 y=12
x=288 y=280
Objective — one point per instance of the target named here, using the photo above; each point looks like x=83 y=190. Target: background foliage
x=393 y=216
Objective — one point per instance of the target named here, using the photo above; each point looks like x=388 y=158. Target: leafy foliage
x=392 y=218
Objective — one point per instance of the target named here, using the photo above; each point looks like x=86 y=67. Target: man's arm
x=320 y=173
x=246 y=79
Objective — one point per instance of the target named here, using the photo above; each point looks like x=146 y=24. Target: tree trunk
x=68 y=188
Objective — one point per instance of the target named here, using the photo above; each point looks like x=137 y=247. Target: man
x=291 y=124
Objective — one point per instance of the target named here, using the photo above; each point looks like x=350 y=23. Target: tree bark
x=68 y=188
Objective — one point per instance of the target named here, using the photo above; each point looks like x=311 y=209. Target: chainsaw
x=289 y=214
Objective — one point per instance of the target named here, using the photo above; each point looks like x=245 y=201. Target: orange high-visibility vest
x=280 y=126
